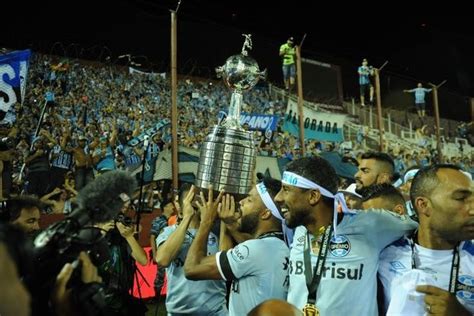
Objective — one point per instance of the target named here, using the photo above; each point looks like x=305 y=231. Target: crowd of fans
x=93 y=112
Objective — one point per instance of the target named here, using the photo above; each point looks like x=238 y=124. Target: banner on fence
x=13 y=73
x=317 y=125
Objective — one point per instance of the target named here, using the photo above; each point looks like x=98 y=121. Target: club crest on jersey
x=339 y=246
x=465 y=288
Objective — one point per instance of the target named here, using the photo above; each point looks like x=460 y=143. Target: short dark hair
x=380 y=157
x=385 y=190
x=426 y=180
x=11 y=209
x=273 y=185
x=317 y=170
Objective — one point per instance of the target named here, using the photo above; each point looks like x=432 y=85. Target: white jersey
x=349 y=281
x=258 y=269
x=206 y=297
x=433 y=267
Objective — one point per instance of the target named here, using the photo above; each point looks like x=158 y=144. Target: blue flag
x=13 y=73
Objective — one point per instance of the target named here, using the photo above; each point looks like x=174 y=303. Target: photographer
x=119 y=271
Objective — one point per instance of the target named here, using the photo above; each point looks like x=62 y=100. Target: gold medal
x=310 y=310
x=315 y=245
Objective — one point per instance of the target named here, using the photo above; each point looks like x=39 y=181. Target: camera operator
x=62 y=298
x=119 y=271
x=17 y=299
x=45 y=265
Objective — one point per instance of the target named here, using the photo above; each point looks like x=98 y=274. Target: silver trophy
x=228 y=156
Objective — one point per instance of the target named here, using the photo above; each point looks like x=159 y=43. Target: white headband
x=290 y=178
x=467 y=174
x=267 y=200
x=398 y=183
x=410 y=175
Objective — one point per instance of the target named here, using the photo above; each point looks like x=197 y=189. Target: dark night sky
x=423 y=46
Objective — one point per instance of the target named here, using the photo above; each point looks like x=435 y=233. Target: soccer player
x=258 y=268
x=185 y=296
x=432 y=271
x=334 y=256
x=384 y=196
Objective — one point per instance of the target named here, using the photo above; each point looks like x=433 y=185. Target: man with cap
x=353 y=199
x=432 y=270
x=255 y=278
x=334 y=256
x=288 y=53
x=404 y=185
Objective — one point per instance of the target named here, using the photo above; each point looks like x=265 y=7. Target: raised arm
x=227 y=205
x=47 y=197
x=198 y=265
x=168 y=250
x=113 y=135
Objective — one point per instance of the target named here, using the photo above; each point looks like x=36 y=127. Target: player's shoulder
x=400 y=243
x=378 y=214
x=468 y=246
x=264 y=245
x=396 y=249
